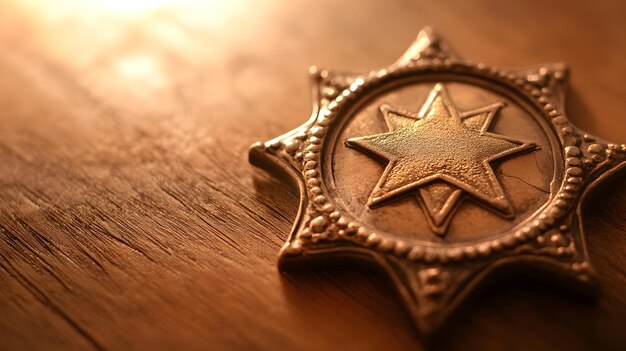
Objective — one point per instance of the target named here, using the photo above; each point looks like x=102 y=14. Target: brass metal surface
x=130 y=218
x=442 y=172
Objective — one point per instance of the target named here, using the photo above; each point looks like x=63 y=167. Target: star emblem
x=414 y=138
x=498 y=138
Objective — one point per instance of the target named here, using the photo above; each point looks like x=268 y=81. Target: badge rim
x=434 y=282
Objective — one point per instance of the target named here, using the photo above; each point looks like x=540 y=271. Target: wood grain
x=130 y=218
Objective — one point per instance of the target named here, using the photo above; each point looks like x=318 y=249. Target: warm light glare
x=124 y=7
x=207 y=10
x=133 y=6
x=142 y=69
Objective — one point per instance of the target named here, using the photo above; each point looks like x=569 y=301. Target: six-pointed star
x=433 y=279
x=464 y=149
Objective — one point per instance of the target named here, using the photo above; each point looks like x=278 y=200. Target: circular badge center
x=440 y=161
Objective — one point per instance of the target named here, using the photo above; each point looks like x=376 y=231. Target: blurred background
x=128 y=54
x=130 y=218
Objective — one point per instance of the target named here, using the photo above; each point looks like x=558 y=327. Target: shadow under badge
x=442 y=172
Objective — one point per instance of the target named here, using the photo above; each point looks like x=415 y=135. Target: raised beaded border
x=325 y=223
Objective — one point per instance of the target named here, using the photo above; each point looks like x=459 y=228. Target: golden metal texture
x=487 y=177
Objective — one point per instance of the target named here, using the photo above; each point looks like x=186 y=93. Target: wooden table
x=131 y=219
